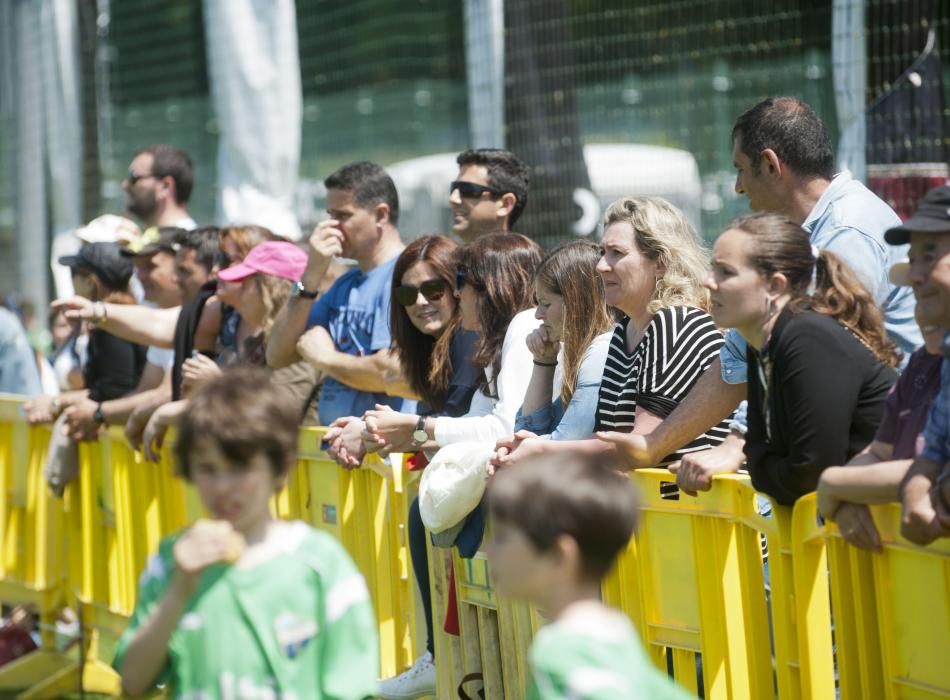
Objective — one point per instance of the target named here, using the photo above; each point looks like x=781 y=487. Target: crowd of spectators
x=805 y=348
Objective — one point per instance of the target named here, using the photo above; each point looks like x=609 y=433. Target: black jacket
x=825 y=401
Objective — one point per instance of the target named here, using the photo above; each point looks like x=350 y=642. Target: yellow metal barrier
x=692 y=580
x=891 y=610
x=366 y=510
x=88 y=550
x=32 y=570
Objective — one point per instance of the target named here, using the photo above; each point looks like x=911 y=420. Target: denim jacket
x=577 y=422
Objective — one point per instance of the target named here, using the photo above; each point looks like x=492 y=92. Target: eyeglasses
x=432 y=290
x=132 y=177
x=472 y=190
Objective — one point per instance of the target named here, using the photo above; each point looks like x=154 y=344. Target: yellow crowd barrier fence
x=724 y=619
x=86 y=551
x=708 y=606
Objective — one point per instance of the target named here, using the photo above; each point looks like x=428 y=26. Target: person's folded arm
x=364 y=373
x=540 y=421
x=489 y=419
x=579 y=418
x=872 y=483
x=709 y=402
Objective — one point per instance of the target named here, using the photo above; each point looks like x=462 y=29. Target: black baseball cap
x=105 y=259
x=932 y=216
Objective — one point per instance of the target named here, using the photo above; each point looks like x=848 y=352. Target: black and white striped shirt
x=678 y=346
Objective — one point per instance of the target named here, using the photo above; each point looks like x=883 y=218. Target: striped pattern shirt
x=678 y=346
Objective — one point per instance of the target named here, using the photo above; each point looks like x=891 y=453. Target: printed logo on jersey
x=293 y=633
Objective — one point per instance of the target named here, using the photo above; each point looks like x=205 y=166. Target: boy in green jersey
x=557 y=525
x=246 y=606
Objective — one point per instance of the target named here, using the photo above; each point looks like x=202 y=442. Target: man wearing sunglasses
x=158 y=186
x=344 y=332
x=489 y=194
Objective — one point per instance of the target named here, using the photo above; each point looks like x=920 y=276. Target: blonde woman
x=653 y=266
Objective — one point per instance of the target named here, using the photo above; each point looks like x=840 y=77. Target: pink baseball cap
x=278 y=258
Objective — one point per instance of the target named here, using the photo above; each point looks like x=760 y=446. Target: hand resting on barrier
x=345 y=439
x=511 y=451
x=196 y=370
x=42 y=409
x=136 y=423
x=80 y=420
x=157 y=428
x=388 y=430
x=696 y=470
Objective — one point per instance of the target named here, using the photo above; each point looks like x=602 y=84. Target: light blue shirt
x=849 y=220
x=577 y=422
x=355 y=312
x=937 y=431
x=18 y=372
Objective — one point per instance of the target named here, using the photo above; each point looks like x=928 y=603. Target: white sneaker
x=414 y=682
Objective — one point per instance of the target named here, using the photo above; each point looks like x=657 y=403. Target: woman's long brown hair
x=570 y=271
x=426 y=361
x=501 y=268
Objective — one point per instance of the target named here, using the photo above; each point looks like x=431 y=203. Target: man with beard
x=158 y=186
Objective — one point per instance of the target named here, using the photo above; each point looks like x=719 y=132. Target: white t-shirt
x=488 y=419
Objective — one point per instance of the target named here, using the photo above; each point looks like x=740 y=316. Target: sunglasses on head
x=133 y=177
x=472 y=190
x=432 y=290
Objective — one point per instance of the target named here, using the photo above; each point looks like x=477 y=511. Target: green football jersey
x=595 y=656
x=296 y=626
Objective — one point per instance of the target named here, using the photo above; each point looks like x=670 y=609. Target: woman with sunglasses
x=434 y=352
x=494 y=289
x=494 y=286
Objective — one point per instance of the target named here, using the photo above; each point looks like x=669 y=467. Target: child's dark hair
x=243 y=413
x=577 y=495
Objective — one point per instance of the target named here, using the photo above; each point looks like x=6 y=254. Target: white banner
x=254 y=72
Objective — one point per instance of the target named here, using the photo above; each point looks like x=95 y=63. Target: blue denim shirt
x=849 y=220
x=937 y=431
x=577 y=422
x=18 y=372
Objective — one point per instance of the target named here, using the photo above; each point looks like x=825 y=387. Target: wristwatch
x=98 y=416
x=298 y=290
x=419 y=435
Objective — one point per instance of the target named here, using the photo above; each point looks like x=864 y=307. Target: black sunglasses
x=472 y=190
x=432 y=290
x=132 y=177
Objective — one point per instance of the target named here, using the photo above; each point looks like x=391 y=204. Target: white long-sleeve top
x=488 y=419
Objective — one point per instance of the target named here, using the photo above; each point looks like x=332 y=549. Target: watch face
x=420 y=436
